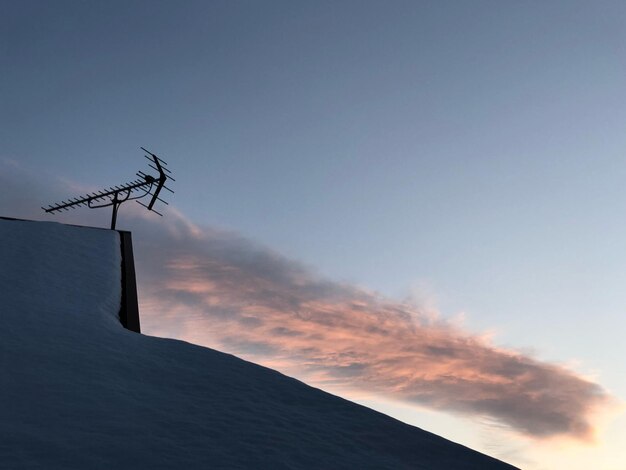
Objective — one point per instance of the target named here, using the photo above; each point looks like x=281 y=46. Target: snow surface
x=78 y=391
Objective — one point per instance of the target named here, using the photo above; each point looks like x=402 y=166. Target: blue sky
x=468 y=155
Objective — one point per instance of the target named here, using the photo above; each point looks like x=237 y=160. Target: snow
x=79 y=391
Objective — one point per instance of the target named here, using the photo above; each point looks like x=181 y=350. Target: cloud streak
x=219 y=289
x=227 y=292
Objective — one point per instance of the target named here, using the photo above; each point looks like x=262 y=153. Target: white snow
x=78 y=391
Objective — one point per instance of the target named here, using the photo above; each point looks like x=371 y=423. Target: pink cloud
x=221 y=290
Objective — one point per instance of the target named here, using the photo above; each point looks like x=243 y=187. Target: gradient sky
x=468 y=157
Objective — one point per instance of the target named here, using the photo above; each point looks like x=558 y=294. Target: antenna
x=144 y=185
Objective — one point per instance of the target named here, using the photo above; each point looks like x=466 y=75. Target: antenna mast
x=145 y=185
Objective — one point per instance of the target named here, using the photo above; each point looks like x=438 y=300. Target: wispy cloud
x=225 y=291
x=216 y=288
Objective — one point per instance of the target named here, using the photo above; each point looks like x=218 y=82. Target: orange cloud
x=230 y=294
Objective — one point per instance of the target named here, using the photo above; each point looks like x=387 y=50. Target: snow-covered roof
x=79 y=391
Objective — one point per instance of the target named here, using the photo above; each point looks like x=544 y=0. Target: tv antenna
x=145 y=185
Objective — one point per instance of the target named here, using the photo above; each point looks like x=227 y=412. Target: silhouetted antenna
x=145 y=185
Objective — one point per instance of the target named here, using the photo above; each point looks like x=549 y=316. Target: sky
x=416 y=205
